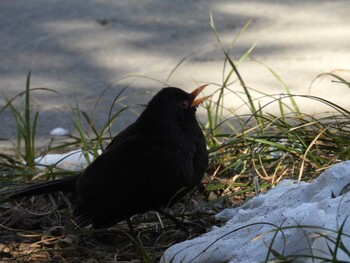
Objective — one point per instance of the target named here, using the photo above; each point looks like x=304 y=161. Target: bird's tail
x=65 y=184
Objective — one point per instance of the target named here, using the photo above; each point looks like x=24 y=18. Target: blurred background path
x=80 y=47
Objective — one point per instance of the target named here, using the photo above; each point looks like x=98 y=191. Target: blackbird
x=148 y=166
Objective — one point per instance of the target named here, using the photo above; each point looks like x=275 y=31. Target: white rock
x=251 y=227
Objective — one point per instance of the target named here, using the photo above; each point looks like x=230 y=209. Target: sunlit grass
x=290 y=144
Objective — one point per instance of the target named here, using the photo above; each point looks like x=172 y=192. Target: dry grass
x=39 y=229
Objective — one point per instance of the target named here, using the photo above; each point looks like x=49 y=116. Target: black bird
x=148 y=166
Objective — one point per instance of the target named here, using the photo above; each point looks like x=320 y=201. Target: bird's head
x=173 y=103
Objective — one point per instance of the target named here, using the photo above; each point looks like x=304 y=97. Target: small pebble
x=59 y=132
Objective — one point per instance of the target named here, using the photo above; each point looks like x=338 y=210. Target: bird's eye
x=184 y=104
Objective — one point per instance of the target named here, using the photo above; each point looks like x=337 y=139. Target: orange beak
x=196 y=92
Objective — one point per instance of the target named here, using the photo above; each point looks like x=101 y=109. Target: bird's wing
x=132 y=176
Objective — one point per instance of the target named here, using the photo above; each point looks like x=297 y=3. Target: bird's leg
x=179 y=223
x=137 y=241
x=131 y=228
